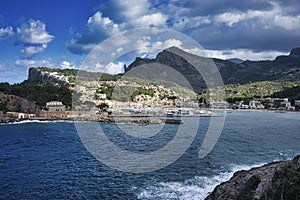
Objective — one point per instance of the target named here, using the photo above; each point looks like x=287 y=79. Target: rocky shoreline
x=274 y=181
x=129 y=120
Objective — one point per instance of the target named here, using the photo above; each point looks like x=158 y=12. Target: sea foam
x=196 y=188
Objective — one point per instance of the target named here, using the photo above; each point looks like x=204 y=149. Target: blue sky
x=61 y=34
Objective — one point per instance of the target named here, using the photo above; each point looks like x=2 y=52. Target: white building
x=55 y=106
x=256 y=105
x=21 y=115
x=219 y=104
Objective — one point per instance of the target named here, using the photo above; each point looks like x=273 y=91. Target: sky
x=62 y=34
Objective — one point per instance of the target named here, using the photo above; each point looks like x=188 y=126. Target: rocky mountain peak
x=282 y=68
x=295 y=52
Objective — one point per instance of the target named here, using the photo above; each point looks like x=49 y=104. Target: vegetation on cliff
x=263 y=89
x=39 y=93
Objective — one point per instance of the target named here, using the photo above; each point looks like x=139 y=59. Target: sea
x=49 y=160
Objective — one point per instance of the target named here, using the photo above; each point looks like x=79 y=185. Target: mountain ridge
x=285 y=67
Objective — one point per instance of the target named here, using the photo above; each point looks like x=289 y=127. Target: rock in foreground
x=274 y=181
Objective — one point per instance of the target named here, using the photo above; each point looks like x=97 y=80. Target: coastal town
x=100 y=100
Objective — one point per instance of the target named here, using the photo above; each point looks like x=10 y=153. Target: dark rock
x=273 y=181
x=35 y=75
x=18 y=104
x=295 y=53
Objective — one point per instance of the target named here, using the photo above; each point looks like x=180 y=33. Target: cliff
x=274 y=181
x=36 y=75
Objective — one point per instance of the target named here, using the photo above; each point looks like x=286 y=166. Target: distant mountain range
x=233 y=71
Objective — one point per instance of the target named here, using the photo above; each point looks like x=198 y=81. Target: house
x=256 y=105
x=55 y=106
x=101 y=95
x=219 y=104
x=297 y=105
x=281 y=103
x=20 y=115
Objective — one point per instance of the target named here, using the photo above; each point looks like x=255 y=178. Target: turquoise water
x=47 y=160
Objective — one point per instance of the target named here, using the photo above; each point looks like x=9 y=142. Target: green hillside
x=263 y=89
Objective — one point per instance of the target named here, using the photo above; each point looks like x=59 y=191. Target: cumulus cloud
x=269 y=18
x=244 y=54
x=186 y=23
x=135 y=13
x=33 y=32
x=6 y=33
x=230 y=18
x=259 y=30
x=97 y=29
x=27 y=63
x=204 y=8
x=31 y=51
x=34 y=38
x=260 y=26
x=115 y=16
x=111 y=68
x=67 y=65
x=166 y=44
x=126 y=10
x=288 y=22
x=155 y=19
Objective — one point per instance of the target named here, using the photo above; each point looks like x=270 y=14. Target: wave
x=39 y=121
x=198 y=187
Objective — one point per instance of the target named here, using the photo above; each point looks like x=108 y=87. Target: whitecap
x=198 y=187
x=39 y=121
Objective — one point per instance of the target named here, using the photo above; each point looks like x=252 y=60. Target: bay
x=47 y=160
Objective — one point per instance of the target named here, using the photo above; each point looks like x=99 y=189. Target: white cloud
x=137 y=13
x=33 y=32
x=155 y=19
x=31 y=51
x=98 y=23
x=184 y=23
x=34 y=63
x=267 y=18
x=67 y=65
x=131 y=9
x=148 y=46
x=244 y=54
x=25 y=62
x=247 y=54
x=34 y=37
x=123 y=15
x=288 y=22
x=111 y=68
x=97 y=29
x=166 y=44
x=230 y=18
x=6 y=33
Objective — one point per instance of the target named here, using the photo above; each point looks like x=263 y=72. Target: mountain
x=235 y=60
x=280 y=69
